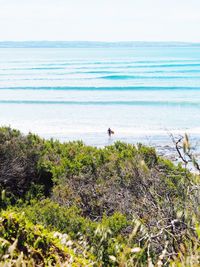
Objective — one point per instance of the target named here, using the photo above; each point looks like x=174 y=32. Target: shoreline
x=162 y=143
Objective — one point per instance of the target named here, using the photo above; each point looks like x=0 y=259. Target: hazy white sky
x=100 y=20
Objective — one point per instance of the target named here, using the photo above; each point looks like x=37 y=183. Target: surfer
x=110 y=132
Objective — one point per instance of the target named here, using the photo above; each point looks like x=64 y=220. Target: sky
x=100 y=20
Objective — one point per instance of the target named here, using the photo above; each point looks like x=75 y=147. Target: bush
x=127 y=205
x=23 y=243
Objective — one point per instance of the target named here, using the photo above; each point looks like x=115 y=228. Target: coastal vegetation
x=68 y=204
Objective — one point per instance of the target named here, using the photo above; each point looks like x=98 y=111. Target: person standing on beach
x=110 y=132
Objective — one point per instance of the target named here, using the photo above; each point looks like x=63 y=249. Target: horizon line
x=104 y=41
x=93 y=44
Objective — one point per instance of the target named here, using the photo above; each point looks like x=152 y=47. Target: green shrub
x=93 y=195
x=33 y=245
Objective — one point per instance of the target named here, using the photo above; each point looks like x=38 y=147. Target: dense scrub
x=122 y=205
x=24 y=243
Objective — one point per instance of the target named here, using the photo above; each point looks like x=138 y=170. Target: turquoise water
x=143 y=93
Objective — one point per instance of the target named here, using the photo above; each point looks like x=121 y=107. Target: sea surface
x=143 y=92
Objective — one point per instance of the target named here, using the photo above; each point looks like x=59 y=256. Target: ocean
x=143 y=92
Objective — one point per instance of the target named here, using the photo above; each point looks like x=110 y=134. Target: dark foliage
x=114 y=198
